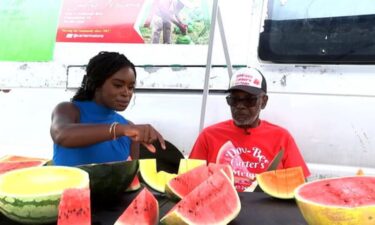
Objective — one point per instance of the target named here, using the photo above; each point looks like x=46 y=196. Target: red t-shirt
x=248 y=152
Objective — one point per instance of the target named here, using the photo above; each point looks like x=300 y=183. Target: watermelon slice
x=151 y=177
x=143 y=210
x=215 y=201
x=341 y=201
x=135 y=185
x=13 y=165
x=74 y=207
x=183 y=184
x=281 y=183
x=189 y=164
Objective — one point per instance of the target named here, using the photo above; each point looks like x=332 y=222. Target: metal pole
x=208 y=65
x=224 y=42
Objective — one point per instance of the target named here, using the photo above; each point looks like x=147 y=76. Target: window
x=319 y=31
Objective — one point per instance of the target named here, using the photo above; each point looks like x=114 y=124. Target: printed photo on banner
x=135 y=21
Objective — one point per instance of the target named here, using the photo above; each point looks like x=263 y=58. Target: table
x=257 y=209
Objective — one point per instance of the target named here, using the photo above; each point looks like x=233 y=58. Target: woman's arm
x=68 y=132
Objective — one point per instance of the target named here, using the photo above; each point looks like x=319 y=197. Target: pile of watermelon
x=198 y=190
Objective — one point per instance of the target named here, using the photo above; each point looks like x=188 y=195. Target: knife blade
x=273 y=166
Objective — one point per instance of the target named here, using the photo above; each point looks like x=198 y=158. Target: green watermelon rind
x=33 y=209
x=25 y=211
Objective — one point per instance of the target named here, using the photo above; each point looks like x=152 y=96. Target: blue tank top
x=107 y=151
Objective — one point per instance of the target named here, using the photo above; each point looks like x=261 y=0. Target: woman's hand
x=143 y=133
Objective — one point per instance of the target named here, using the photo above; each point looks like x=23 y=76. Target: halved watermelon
x=339 y=201
x=151 y=177
x=109 y=180
x=180 y=186
x=281 y=183
x=215 y=201
x=31 y=195
x=143 y=210
x=19 y=158
x=13 y=165
x=74 y=207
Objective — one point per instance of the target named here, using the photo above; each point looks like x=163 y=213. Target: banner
x=28 y=29
x=135 y=21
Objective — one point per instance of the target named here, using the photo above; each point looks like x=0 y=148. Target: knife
x=273 y=166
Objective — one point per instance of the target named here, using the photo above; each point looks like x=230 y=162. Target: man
x=246 y=142
x=166 y=13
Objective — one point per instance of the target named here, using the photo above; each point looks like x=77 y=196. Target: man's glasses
x=249 y=101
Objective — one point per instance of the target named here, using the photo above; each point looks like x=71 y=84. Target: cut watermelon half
x=74 y=207
x=143 y=210
x=340 y=200
x=180 y=186
x=13 y=165
x=281 y=183
x=215 y=201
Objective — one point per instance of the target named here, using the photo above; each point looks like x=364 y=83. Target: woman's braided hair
x=100 y=68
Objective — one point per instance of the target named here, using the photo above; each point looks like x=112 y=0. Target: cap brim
x=250 y=90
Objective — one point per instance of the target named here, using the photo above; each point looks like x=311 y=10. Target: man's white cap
x=249 y=80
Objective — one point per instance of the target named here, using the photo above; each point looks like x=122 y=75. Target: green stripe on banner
x=28 y=29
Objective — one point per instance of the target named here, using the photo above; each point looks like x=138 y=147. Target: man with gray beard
x=246 y=142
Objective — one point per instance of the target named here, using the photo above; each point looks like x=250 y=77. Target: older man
x=246 y=142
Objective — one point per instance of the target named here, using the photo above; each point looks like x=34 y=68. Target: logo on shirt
x=245 y=162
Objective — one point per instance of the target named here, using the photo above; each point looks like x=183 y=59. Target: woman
x=88 y=129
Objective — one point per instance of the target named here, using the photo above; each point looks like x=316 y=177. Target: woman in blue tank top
x=88 y=129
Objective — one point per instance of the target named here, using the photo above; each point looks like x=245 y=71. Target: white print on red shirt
x=243 y=170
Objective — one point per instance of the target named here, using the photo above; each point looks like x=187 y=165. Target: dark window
x=307 y=31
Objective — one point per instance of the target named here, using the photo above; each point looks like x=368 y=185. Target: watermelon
x=13 y=165
x=339 y=201
x=31 y=195
x=281 y=183
x=143 y=210
x=151 y=177
x=109 y=180
x=74 y=207
x=134 y=185
x=189 y=164
x=215 y=201
x=180 y=186
x=19 y=158
x=183 y=39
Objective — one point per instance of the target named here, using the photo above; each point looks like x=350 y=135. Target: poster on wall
x=135 y=21
x=28 y=29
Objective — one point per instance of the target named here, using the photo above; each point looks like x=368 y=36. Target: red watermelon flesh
x=74 y=207
x=346 y=191
x=12 y=165
x=18 y=158
x=143 y=210
x=215 y=201
x=135 y=185
x=183 y=184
